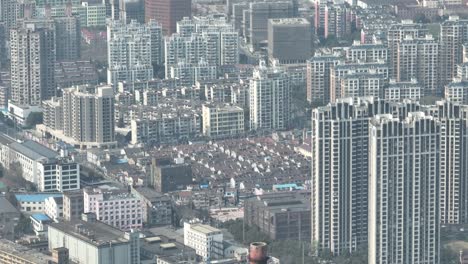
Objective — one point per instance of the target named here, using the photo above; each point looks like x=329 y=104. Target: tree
x=23 y=226
x=34 y=118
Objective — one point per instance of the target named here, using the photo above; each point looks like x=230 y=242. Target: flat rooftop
x=35 y=197
x=205 y=229
x=34 y=150
x=26 y=254
x=99 y=233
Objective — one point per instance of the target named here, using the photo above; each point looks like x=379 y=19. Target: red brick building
x=168 y=12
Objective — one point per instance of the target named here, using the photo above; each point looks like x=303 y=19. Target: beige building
x=222 y=120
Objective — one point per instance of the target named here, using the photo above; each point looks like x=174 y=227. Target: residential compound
x=42 y=166
x=83 y=116
x=132 y=50
x=270 y=98
x=212 y=39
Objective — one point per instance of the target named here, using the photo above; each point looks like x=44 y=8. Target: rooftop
x=27 y=254
x=35 y=197
x=34 y=150
x=41 y=217
x=205 y=229
x=6 y=206
x=95 y=233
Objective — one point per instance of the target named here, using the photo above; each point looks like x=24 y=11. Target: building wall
x=83 y=252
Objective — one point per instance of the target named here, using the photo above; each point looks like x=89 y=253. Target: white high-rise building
x=453 y=155
x=32 y=50
x=188 y=74
x=132 y=50
x=210 y=38
x=397 y=33
x=270 y=98
x=318 y=76
x=404 y=181
x=88 y=115
x=340 y=136
x=453 y=34
x=418 y=58
x=206 y=240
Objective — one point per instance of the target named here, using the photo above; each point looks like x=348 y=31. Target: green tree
x=33 y=119
x=24 y=226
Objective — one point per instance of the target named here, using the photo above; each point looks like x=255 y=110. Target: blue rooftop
x=288 y=186
x=39 y=197
x=41 y=217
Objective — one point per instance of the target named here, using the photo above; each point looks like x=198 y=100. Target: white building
x=93 y=242
x=44 y=167
x=188 y=74
x=120 y=209
x=206 y=240
x=87 y=117
x=356 y=84
x=404 y=180
x=132 y=49
x=457 y=91
x=222 y=120
x=318 y=76
x=397 y=91
x=53 y=208
x=270 y=98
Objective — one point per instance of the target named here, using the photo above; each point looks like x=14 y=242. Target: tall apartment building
x=89 y=115
x=270 y=98
x=396 y=33
x=453 y=34
x=120 y=209
x=210 y=38
x=32 y=51
x=453 y=155
x=289 y=40
x=457 y=91
x=359 y=84
x=222 y=120
x=367 y=52
x=404 y=180
x=340 y=171
x=337 y=21
x=188 y=74
x=68 y=38
x=418 y=58
x=341 y=70
x=167 y=12
x=397 y=91
x=318 y=76
x=132 y=50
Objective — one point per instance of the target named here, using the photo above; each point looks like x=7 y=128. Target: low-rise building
x=164 y=250
x=44 y=167
x=34 y=202
x=93 y=242
x=206 y=240
x=11 y=252
x=73 y=204
x=40 y=224
x=9 y=217
x=167 y=175
x=157 y=206
x=282 y=216
x=117 y=208
x=222 y=120
x=71 y=73
x=53 y=208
